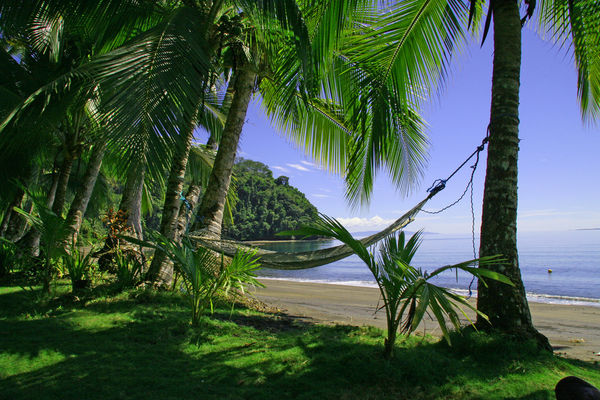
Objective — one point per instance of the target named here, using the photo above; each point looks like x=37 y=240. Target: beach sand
x=573 y=331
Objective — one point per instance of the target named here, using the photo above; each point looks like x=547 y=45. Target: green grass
x=139 y=345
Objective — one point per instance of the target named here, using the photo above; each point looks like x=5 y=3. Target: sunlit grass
x=140 y=345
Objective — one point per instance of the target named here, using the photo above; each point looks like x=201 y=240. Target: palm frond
x=579 y=23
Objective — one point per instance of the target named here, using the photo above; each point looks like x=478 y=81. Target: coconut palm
x=406 y=291
x=57 y=134
x=83 y=195
x=409 y=31
x=336 y=123
x=353 y=123
x=52 y=229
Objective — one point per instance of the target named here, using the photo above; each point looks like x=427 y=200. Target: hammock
x=308 y=259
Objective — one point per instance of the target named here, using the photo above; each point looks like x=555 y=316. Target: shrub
x=8 y=257
x=80 y=267
x=129 y=266
x=205 y=274
x=406 y=291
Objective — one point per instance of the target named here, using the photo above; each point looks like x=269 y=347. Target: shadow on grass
x=140 y=347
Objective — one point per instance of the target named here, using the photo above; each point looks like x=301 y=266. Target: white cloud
x=298 y=167
x=319 y=195
x=278 y=168
x=309 y=164
x=356 y=224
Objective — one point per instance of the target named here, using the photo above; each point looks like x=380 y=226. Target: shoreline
x=531 y=297
x=263 y=242
x=571 y=329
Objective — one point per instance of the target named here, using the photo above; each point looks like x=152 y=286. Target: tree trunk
x=63 y=182
x=131 y=203
x=210 y=214
x=506 y=306
x=53 y=187
x=186 y=211
x=84 y=193
x=31 y=240
x=10 y=215
x=17 y=225
x=161 y=269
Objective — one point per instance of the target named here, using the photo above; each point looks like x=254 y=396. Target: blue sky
x=559 y=163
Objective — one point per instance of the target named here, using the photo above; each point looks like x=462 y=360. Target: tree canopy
x=266 y=205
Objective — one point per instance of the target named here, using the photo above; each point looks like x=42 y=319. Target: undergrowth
x=139 y=344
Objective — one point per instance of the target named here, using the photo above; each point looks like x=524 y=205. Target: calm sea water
x=573 y=257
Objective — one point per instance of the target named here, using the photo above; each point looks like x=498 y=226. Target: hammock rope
x=311 y=259
x=308 y=259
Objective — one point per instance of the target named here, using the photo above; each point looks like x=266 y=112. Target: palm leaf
x=578 y=22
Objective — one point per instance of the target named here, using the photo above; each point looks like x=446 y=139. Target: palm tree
x=499 y=217
x=79 y=204
x=410 y=32
x=351 y=130
x=347 y=119
x=407 y=292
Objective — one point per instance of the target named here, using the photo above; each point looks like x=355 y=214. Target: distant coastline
x=264 y=242
x=588 y=229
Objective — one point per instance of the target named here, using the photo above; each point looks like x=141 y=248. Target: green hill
x=266 y=205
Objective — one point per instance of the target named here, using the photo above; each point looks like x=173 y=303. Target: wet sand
x=573 y=331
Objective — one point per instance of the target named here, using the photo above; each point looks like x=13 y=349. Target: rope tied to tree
x=440 y=184
x=184 y=200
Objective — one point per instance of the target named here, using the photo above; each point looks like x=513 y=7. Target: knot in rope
x=437 y=186
x=440 y=184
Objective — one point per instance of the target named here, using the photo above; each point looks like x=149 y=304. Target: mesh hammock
x=308 y=259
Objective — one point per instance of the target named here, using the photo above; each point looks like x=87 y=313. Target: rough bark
x=84 y=193
x=131 y=201
x=64 y=174
x=10 y=215
x=506 y=306
x=161 y=269
x=210 y=214
x=186 y=211
x=31 y=240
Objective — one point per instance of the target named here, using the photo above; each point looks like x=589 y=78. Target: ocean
x=573 y=257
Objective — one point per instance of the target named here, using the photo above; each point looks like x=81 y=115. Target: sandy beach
x=573 y=331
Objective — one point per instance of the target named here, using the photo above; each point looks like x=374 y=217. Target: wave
x=531 y=297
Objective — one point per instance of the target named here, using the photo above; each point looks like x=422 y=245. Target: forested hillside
x=266 y=205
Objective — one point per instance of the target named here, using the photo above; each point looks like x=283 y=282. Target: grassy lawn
x=139 y=345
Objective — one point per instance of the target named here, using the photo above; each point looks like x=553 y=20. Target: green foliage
x=138 y=344
x=53 y=230
x=205 y=275
x=128 y=267
x=80 y=266
x=266 y=206
x=8 y=256
x=406 y=291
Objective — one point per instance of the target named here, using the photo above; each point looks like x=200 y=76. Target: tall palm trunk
x=210 y=214
x=83 y=195
x=186 y=211
x=64 y=174
x=10 y=215
x=161 y=270
x=131 y=204
x=31 y=240
x=131 y=201
x=506 y=306
x=17 y=226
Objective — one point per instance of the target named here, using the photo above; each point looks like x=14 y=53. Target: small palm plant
x=205 y=274
x=79 y=265
x=406 y=291
x=53 y=229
